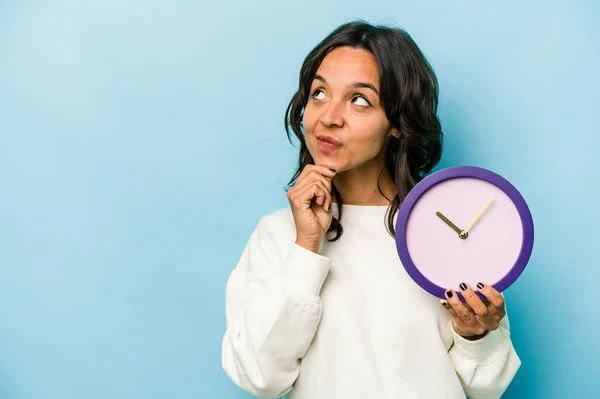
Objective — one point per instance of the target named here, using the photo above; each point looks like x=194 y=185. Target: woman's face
x=344 y=107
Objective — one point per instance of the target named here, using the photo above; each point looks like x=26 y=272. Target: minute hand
x=479 y=214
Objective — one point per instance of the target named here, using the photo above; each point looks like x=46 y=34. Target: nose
x=333 y=115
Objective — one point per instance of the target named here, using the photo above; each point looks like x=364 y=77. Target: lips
x=325 y=147
x=330 y=140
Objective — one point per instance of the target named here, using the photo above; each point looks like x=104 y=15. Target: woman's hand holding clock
x=474 y=318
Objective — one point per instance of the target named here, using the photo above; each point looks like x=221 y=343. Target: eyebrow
x=360 y=85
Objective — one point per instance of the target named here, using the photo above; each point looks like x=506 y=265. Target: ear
x=394 y=132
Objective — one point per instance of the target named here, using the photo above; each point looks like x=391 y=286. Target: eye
x=314 y=94
x=364 y=102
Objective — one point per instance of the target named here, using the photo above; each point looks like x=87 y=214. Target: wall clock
x=464 y=224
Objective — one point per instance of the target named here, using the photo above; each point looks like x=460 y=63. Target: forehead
x=344 y=65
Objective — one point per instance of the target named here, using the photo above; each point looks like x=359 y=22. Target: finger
x=305 y=196
x=324 y=193
x=311 y=170
x=316 y=193
x=312 y=177
x=309 y=175
x=323 y=179
x=495 y=298
x=325 y=185
x=328 y=201
x=465 y=314
x=459 y=323
x=447 y=306
x=480 y=310
x=325 y=170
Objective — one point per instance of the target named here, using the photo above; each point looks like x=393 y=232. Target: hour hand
x=448 y=222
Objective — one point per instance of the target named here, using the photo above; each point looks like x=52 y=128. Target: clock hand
x=448 y=222
x=479 y=215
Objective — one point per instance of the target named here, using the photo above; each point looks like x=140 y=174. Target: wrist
x=474 y=337
x=311 y=246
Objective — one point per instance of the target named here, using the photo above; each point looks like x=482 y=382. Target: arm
x=485 y=367
x=273 y=309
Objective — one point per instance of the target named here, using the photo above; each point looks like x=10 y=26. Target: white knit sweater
x=349 y=322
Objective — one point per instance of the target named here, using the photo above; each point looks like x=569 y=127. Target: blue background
x=140 y=142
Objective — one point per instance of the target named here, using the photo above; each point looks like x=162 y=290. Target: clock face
x=464 y=224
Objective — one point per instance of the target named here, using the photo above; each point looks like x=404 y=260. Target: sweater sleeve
x=273 y=309
x=487 y=366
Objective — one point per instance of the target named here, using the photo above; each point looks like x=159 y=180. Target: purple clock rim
x=473 y=172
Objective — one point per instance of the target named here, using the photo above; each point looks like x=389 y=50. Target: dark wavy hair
x=409 y=96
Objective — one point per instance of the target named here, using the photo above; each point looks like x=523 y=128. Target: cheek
x=372 y=134
x=309 y=119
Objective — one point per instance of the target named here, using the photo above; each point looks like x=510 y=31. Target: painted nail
x=443 y=303
x=449 y=293
x=333 y=170
x=463 y=286
x=480 y=285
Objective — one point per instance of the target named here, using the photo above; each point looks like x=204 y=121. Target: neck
x=359 y=186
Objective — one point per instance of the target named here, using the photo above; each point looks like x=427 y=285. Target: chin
x=325 y=162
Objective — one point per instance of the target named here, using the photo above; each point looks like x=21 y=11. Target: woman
x=319 y=305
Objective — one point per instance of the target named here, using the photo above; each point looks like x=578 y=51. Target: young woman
x=319 y=305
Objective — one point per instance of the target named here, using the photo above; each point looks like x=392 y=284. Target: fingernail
x=449 y=293
x=333 y=170
x=443 y=303
x=480 y=285
x=463 y=286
